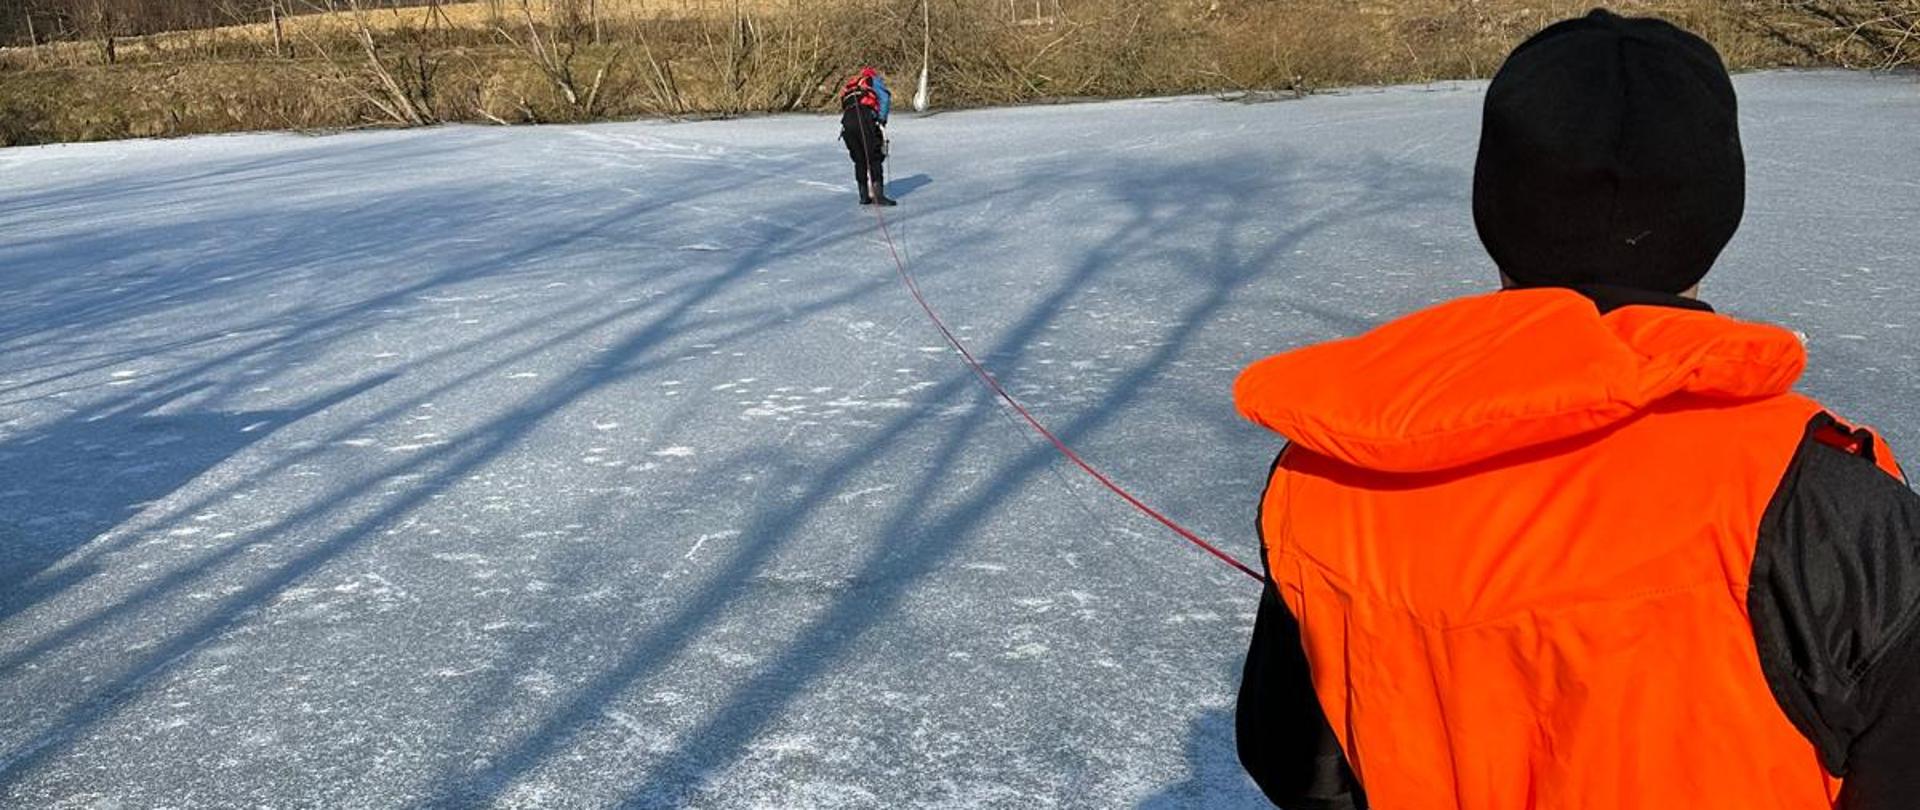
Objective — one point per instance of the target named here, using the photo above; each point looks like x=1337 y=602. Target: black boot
x=880 y=191
x=860 y=178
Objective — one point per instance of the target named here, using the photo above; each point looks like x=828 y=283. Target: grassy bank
x=570 y=60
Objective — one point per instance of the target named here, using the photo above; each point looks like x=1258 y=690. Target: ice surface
x=610 y=465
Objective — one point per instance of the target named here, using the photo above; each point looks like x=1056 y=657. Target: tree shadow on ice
x=71 y=481
x=932 y=519
x=258 y=253
x=95 y=277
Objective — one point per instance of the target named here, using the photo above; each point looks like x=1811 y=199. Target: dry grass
x=468 y=23
x=482 y=61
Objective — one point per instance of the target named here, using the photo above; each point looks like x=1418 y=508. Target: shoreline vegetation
x=82 y=70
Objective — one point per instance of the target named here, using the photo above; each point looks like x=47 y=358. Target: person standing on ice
x=864 y=105
x=1578 y=543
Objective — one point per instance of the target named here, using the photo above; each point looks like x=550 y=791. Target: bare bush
x=1875 y=34
x=392 y=73
x=554 y=52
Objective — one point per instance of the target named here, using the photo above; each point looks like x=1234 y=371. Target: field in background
x=571 y=60
x=469 y=22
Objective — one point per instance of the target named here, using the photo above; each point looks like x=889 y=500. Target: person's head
x=1609 y=154
x=862 y=78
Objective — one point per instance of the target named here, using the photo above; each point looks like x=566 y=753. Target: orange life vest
x=1517 y=534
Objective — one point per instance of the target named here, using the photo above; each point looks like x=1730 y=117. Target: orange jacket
x=1517 y=535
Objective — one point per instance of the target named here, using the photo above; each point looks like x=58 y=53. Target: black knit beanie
x=1609 y=154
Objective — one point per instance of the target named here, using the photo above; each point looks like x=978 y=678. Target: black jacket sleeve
x=1283 y=736
x=1835 y=604
x=1284 y=740
x=1883 y=764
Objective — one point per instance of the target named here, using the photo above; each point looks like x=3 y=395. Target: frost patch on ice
x=169 y=724
x=735 y=659
x=539 y=682
x=702 y=540
x=673 y=452
x=666 y=698
x=420 y=442
x=639 y=735
x=600 y=594
x=322 y=602
x=462 y=557
x=850 y=497
x=852 y=404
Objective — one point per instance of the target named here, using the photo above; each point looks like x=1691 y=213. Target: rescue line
x=979 y=370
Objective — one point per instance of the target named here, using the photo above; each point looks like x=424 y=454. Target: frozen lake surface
x=611 y=466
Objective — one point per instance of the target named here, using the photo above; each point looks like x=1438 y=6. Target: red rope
x=979 y=370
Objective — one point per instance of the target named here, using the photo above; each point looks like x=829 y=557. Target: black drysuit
x=866 y=143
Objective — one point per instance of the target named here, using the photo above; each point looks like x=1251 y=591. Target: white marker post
x=926 y=54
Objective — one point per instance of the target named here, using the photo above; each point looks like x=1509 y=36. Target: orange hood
x=1475 y=378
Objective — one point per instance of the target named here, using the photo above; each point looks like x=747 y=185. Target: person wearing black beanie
x=1578 y=543
x=1610 y=155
